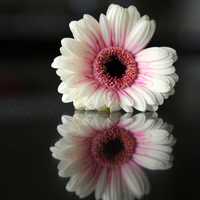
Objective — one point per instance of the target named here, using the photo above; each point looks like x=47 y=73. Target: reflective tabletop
x=32 y=116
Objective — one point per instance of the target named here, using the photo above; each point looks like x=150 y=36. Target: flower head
x=106 y=66
x=103 y=153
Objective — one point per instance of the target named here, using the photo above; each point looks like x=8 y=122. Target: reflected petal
x=103 y=153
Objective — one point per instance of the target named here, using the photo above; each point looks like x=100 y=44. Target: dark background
x=30 y=107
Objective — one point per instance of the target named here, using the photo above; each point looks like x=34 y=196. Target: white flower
x=102 y=153
x=106 y=66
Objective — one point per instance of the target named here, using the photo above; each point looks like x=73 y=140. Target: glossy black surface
x=31 y=108
x=28 y=129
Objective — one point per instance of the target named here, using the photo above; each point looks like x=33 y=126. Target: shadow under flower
x=103 y=153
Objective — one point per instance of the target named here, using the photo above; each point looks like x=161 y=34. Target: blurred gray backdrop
x=46 y=21
x=31 y=31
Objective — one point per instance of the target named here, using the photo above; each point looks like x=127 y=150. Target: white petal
x=115 y=186
x=66 y=98
x=112 y=101
x=159 y=147
x=172 y=52
x=156 y=83
x=105 y=30
x=85 y=89
x=62 y=88
x=138 y=99
x=72 y=64
x=140 y=35
x=156 y=57
x=134 y=16
x=112 y=16
x=82 y=31
x=101 y=184
x=137 y=122
x=94 y=27
x=96 y=101
x=152 y=163
x=126 y=102
x=159 y=155
x=120 y=27
x=77 y=48
x=131 y=180
x=86 y=185
x=71 y=168
x=151 y=54
x=147 y=95
x=73 y=182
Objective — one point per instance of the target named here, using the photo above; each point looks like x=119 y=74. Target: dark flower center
x=113 y=146
x=115 y=68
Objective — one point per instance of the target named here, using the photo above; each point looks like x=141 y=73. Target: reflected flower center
x=113 y=146
x=115 y=68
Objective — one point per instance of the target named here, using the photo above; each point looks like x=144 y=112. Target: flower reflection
x=103 y=153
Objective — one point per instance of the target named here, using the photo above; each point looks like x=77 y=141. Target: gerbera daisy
x=105 y=65
x=102 y=153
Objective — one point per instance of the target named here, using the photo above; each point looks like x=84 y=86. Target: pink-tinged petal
x=111 y=15
x=140 y=35
x=115 y=192
x=105 y=30
x=94 y=27
x=117 y=17
x=121 y=22
x=82 y=34
x=87 y=133
x=159 y=84
x=162 y=71
x=84 y=31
